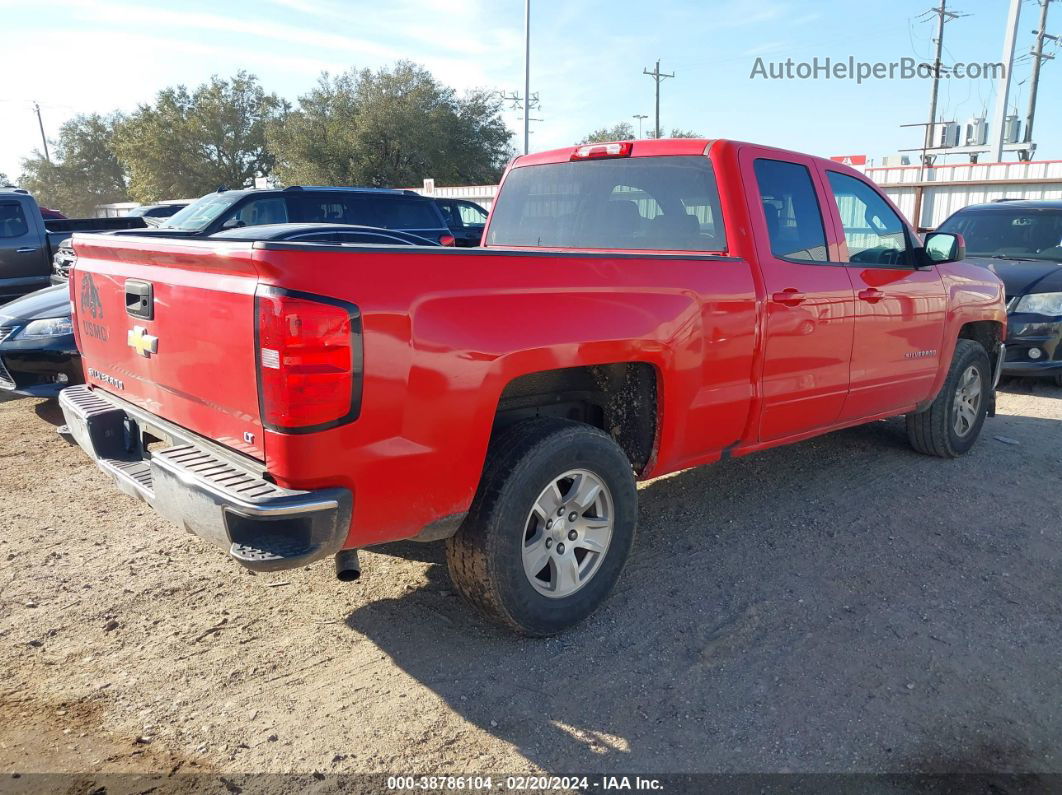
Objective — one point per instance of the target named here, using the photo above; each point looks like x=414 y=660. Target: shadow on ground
x=839 y=605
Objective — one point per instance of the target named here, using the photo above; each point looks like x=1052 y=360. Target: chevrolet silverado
x=637 y=308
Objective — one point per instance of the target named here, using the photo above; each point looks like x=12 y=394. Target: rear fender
x=519 y=334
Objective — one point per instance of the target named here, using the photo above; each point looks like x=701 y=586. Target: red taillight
x=595 y=151
x=309 y=361
x=447 y=240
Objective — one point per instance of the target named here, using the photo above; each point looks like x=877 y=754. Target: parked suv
x=402 y=210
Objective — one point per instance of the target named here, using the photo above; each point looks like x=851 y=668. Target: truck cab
x=28 y=241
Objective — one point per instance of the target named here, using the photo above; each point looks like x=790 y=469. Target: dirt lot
x=840 y=605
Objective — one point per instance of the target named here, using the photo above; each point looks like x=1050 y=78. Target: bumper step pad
x=262 y=525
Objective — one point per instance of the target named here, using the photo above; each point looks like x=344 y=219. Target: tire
x=944 y=429
x=505 y=535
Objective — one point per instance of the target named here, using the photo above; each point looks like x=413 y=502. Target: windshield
x=653 y=203
x=1013 y=232
x=200 y=213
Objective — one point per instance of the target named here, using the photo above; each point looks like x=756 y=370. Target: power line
x=658 y=77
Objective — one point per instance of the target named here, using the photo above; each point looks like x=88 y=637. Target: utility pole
x=1003 y=88
x=657 y=76
x=943 y=16
x=639 y=117
x=37 y=109
x=527 y=75
x=1038 y=57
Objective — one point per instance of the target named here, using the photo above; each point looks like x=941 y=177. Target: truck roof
x=663 y=147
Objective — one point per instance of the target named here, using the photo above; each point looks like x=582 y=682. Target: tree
x=677 y=133
x=618 y=132
x=4 y=181
x=187 y=144
x=85 y=170
x=392 y=127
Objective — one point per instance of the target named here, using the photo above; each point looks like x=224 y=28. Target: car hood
x=1022 y=277
x=49 y=302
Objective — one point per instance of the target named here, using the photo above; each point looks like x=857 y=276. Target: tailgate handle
x=140 y=299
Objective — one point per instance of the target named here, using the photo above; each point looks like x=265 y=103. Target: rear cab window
x=668 y=203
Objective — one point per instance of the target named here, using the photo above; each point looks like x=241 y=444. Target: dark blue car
x=38 y=355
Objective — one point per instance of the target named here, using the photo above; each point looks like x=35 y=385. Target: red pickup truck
x=637 y=309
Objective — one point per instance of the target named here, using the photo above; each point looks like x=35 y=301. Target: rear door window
x=12 y=220
x=450 y=214
x=649 y=203
x=791 y=210
x=407 y=212
x=334 y=208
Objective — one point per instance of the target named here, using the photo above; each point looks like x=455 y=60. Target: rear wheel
x=952 y=422
x=550 y=528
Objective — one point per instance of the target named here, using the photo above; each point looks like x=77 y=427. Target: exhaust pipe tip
x=348 y=567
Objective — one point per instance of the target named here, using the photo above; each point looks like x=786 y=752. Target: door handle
x=28 y=250
x=790 y=296
x=871 y=295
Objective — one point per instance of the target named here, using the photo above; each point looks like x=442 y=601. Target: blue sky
x=76 y=56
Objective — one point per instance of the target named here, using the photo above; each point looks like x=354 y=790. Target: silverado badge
x=143 y=343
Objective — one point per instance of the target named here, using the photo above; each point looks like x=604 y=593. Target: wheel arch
x=621 y=398
x=987 y=333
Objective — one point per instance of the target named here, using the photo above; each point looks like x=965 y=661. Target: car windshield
x=1014 y=233
x=200 y=213
x=654 y=203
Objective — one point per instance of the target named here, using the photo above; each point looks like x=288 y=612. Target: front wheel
x=550 y=528
x=952 y=422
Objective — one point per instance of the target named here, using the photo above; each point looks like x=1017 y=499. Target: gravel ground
x=839 y=605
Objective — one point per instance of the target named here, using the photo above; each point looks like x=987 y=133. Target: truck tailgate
x=169 y=326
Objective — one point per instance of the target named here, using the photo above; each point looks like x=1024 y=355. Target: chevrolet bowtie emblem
x=143 y=343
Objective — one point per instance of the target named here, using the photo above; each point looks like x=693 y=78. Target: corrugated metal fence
x=935 y=193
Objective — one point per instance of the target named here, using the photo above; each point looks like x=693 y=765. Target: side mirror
x=941 y=247
x=233 y=223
